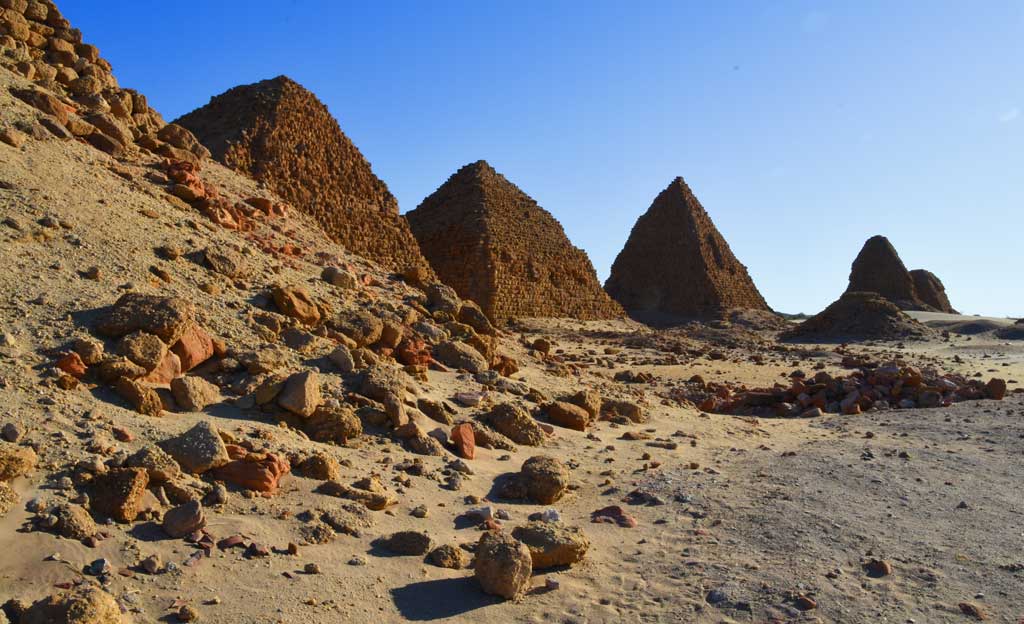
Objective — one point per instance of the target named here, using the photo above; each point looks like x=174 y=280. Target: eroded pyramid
x=930 y=290
x=879 y=269
x=676 y=264
x=279 y=133
x=493 y=244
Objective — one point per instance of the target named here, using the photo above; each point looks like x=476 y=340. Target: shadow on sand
x=443 y=598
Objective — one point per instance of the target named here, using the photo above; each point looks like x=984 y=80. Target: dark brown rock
x=930 y=291
x=118 y=493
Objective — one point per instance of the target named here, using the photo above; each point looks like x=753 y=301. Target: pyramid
x=676 y=264
x=279 y=133
x=878 y=269
x=493 y=244
x=930 y=290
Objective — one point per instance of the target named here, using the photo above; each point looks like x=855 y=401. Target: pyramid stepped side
x=75 y=89
x=676 y=264
x=931 y=291
x=279 y=133
x=495 y=245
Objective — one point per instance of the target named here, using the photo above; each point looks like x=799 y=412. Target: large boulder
x=542 y=479
x=503 y=565
x=165 y=317
x=118 y=493
x=301 y=393
x=197 y=450
x=461 y=356
x=515 y=423
x=552 y=543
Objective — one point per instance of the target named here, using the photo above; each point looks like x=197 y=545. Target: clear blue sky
x=803 y=127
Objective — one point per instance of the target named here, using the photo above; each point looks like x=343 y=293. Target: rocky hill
x=279 y=133
x=676 y=264
x=494 y=245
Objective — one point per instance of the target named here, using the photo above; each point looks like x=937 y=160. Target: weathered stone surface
x=460 y=355
x=515 y=423
x=16 y=461
x=143 y=349
x=296 y=302
x=157 y=463
x=278 y=133
x=552 y=543
x=362 y=326
x=301 y=393
x=542 y=479
x=184 y=519
x=118 y=493
x=193 y=394
x=321 y=466
x=260 y=472
x=567 y=415
x=198 y=449
x=194 y=347
x=73 y=521
x=332 y=422
x=448 y=556
x=494 y=245
x=85 y=605
x=141 y=397
x=464 y=441
x=588 y=399
x=503 y=565
x=165 y=317
x=676 y=264
x=930 y=291
x=225 y=261
x=406 y=543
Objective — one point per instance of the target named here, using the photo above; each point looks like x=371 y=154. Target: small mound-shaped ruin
x=493 y=244
x=279 y=133
x=858 y=316
x=676 y=264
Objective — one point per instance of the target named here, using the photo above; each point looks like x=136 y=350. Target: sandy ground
x=741 y=520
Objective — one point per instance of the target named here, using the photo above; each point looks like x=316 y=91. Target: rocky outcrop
x=930 y=290
x=675 y=264
x=279 y=133
x=493 y=244
x=75 y=90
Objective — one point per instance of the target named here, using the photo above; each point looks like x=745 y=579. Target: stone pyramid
x=493 y=244
x=879 y=269
x=279 y=133
x=675 y=264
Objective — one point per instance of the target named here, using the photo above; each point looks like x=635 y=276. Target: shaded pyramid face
x=879 y=269
x=675 y=264
x=493 y=244
x=279 y=133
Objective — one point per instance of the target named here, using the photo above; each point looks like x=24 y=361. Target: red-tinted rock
x=464 y=441
x=194 y=347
